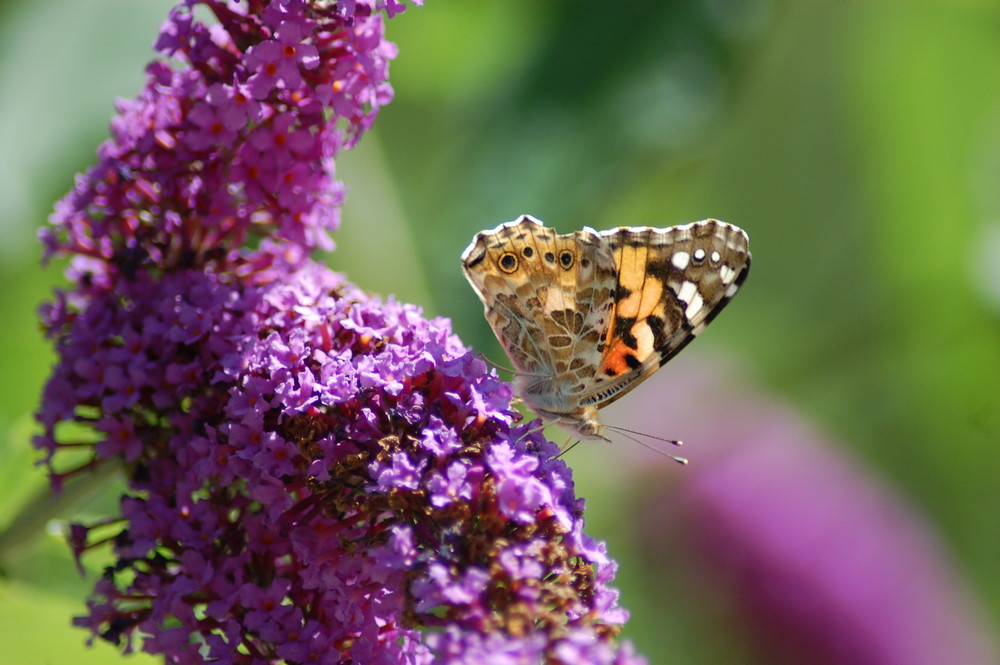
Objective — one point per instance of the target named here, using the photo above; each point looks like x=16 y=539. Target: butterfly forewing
x=671 y=283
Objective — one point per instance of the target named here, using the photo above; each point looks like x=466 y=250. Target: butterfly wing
x=671 y=283
x=549 y=299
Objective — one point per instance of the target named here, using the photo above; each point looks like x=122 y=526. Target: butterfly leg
x=531 y=431
x=566 y=447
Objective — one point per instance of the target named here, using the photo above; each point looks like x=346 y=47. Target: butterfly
x=585 y=317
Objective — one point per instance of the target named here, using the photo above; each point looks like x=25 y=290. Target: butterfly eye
x=527 y=252
x=566 y=259
x=508 y=262
x=550 y=257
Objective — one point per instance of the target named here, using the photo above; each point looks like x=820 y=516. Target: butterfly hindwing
x=549 y=299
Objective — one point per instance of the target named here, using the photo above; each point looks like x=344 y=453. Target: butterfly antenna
x=626 y=433
x=673 y=442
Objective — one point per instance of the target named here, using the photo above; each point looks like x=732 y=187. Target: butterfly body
x=586 y=316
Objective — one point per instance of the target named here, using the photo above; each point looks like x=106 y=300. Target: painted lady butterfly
x=586 y=316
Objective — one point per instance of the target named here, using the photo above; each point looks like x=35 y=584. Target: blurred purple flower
x=314 y=475
x=821 y=561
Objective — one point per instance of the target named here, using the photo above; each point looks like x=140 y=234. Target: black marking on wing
x=655 y=324
x=623 y=331
x=472 y=263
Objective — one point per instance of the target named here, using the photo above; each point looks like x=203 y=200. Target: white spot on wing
x=694 y=305
x=680 y=260
x=644 y=338
x=716 y=257
x=687 y=291
x=699 y=254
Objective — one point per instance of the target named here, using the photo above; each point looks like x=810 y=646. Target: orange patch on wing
x=645 y=291
x=652 y=297
x=614 y=363
x=616 y=359
x=631 y=263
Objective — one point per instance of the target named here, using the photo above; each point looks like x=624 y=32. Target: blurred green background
x=857 y=142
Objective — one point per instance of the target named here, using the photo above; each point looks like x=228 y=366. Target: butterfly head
x=589 y=428
x=583 y=423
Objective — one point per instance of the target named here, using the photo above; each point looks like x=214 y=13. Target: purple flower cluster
x=232 y=138
x=314 y=475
